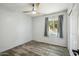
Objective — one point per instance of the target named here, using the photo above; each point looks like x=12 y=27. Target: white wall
x=15 y=28
x=78 y=29
x=38 y=30
x=73 y=29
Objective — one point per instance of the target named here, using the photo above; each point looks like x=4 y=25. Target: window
x=53 y=26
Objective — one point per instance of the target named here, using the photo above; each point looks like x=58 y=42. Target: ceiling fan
x=34 y=10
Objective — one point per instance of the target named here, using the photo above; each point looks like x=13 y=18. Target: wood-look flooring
x=34 y=48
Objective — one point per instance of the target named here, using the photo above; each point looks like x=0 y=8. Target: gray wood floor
x=34 y=48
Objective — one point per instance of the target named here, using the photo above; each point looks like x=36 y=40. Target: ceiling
x=44 y=8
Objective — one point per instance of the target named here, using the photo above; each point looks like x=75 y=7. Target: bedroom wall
x=38 y=30
x=73 y=28
x=15 y=28
x=78 y=29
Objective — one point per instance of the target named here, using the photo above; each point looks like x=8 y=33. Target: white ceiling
x=44 y=8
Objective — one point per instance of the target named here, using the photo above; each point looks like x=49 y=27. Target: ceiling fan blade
x=37 y=5
x=27 y=11
x=35 y=9
x=39 y=13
